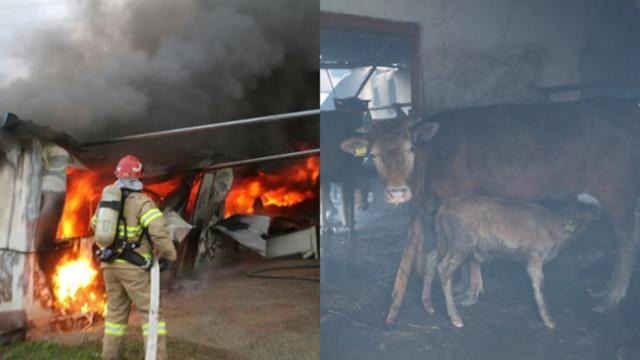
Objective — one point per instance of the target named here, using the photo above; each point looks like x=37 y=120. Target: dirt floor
x=357 y=278
x=224 y=314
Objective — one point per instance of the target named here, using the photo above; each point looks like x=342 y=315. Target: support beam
x=192 y=129
x=291 y=155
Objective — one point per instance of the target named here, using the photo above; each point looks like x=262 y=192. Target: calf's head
x=579 y=212
x=390 y=144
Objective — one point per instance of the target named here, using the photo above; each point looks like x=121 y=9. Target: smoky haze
x=129 y=66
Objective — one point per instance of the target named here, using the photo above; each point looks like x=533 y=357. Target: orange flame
x=84 y=189
x=75 y=287
x=164 y=188
x=287 y=187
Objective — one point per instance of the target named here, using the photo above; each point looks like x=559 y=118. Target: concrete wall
x=477 y=52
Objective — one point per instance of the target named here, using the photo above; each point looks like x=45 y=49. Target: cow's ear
x=356 y=146
x=425 y=131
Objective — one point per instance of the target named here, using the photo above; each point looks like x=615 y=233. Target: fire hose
x=154 y=304
x=260 y=272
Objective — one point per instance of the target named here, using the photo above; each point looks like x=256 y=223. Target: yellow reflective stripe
x=131 y=233
x=115 y=325
x=114 y=329
x=162 y=328
x=160 y=332
x=121 y=261
x=94 y=220
x=160 y=324
x=149 y=216
x=129 y=228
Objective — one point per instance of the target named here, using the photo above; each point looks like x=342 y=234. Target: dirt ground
x=357 y=278
x=224 y=314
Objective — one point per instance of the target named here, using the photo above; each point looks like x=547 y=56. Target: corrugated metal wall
x=26 y=169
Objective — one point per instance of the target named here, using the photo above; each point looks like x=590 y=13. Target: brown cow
x=525 y=152
x=481 y=227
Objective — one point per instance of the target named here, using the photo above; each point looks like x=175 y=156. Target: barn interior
x=380 y=57
x=230 y=154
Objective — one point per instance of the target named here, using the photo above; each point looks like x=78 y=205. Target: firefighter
x=141 y=234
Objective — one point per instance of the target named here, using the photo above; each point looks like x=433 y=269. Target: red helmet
x=129 y=167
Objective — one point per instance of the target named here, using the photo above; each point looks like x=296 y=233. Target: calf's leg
x=446 y=269
x=534 y=269
x=462 y=280
x=431 y=263
x=470 y=297
x=430 y=272
x=416 y=235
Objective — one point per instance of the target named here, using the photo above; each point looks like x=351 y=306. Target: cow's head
x=390 y=145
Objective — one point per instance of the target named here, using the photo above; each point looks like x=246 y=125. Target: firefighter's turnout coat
x=127 y=283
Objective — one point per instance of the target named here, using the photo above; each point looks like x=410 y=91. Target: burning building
x=53 y=184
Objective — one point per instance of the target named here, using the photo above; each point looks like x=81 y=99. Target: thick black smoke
x=139 y=65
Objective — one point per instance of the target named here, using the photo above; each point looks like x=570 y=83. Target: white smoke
x=128 y=66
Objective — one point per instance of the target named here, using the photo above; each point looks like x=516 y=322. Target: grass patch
x=47 y=350
x=90 y=350
x=42 y=350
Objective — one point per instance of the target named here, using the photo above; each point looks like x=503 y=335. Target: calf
x=478 y=227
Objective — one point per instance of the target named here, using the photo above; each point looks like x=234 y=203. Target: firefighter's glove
x=164 y=264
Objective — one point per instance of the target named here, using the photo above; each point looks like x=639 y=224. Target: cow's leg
x=402 y=277
x=358 y=198
x=446 y=269
x=470 y=297
x=348 y=205
x=326 y=207
x=430 y=272
x=534 y=269
x=625 y=258
x=623 y=269
x=364 y=194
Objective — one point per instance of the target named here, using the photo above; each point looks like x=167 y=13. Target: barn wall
x=29 y=172
x=612 y=54
x=489 y=51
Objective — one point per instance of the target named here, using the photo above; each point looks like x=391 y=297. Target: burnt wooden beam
x=202 y=213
